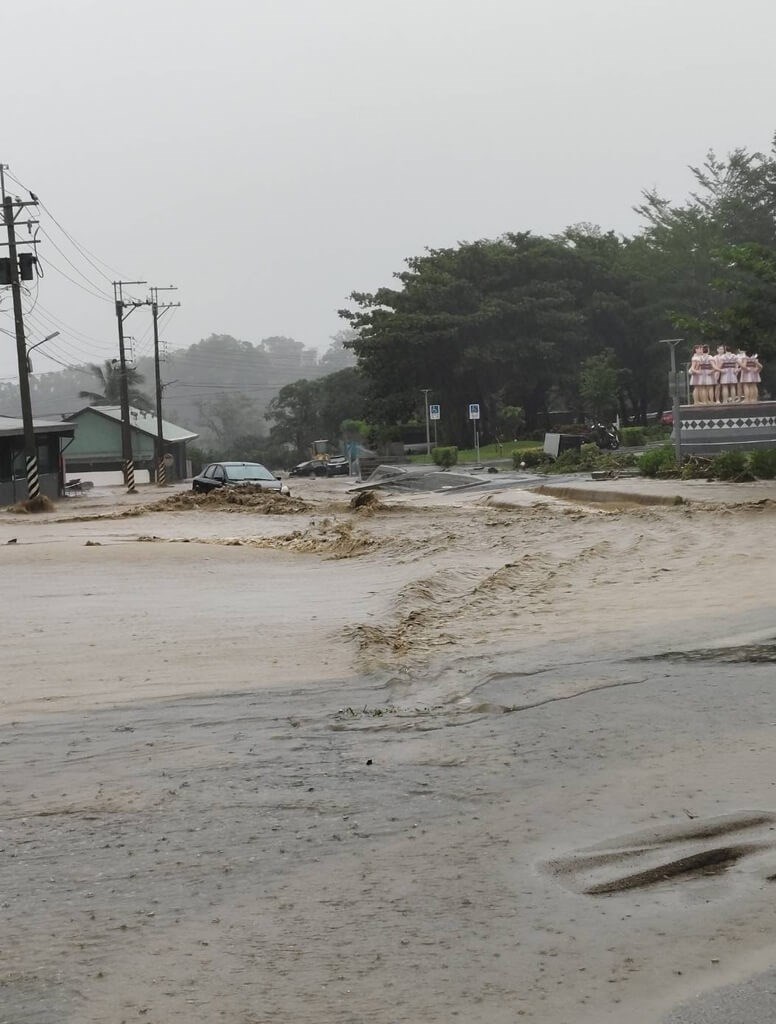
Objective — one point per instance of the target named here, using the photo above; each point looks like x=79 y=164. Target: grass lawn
x=488 y=452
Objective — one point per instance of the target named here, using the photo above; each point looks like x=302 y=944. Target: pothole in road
x=674 y=854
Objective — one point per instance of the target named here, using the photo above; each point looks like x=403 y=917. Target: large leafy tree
x=508 y=322
x=306 y=410
x=108 y=378
x=485 y=322
x=229 y=416
x=709 y=256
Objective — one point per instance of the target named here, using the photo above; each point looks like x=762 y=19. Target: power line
x=77 y=346
x=96 y=295
x=86 y=253
x=67 y=259
x=59 y=322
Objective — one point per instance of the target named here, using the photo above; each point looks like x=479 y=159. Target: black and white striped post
x=33 y=480
x=161 y=472
x=11 y=210
x=126 y=428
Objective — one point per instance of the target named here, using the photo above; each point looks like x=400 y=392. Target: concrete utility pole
x=126 y=429
x=161 y=469
x=428 y=422
x=677 y=426
x=11 y=209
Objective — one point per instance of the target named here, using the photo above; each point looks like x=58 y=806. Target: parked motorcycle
x=605 y=435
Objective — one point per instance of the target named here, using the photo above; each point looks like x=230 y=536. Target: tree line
x=551 y=323
x=525 y=325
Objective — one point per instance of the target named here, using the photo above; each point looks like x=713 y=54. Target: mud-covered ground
x=432 y=759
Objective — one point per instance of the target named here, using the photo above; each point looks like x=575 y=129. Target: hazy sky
x=271 y=156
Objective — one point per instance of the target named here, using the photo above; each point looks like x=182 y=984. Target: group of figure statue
x=725 y=377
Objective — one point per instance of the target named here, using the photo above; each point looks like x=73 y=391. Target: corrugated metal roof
x=14 y=425
x=145 y=422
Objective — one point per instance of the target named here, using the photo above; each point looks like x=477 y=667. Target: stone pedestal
x=707 y=429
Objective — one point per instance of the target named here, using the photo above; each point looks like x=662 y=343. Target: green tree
x=511 y=420
x=295 y=416
x=709 y=253
x=229 y=417
x=307 y=411
x=598 y=385
x=487 y=322
x=108 y=378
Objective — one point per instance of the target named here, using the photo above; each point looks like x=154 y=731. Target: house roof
x=145 y=422
x=10 y=425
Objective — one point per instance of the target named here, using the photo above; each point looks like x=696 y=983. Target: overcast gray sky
x=270 y=156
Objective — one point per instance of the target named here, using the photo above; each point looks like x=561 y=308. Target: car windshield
x=250 y=471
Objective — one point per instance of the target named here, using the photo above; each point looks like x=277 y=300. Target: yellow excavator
x=324 y=461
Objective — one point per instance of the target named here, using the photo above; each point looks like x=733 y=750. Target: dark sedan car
x=222 y=474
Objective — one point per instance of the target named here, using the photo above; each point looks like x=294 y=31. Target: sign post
x=435 y=415
x=474 y=416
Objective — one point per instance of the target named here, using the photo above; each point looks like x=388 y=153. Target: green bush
x=445 y=457
x=632 y=437
x=530 y=457
x=730 y=465
x=658 y=462
x=656 y=432
x=566 y=460
x=572 y=428
x=589 y=456
x=762 y=463
x=617 y=460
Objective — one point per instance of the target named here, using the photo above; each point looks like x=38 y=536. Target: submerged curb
x=604 y=497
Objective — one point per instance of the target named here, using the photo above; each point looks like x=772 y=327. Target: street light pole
x=677 y=427
x=49 y=337
x=428 y=422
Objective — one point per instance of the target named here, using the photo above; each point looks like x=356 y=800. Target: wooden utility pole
x=11 y=209
x=161 y=469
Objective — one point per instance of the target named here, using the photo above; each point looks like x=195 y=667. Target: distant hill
x=197 y=377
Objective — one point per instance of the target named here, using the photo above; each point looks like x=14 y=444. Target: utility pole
x=428 y=426
x=126 y=429
x=11 y=209
x=161 y=469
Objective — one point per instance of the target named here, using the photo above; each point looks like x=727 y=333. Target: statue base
x=707 y=429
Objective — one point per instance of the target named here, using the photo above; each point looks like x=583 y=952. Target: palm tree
x=108 y=377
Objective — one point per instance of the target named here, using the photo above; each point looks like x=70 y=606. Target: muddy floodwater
x=486 y=758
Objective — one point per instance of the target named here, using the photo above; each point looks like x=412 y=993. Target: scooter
x=605 y=436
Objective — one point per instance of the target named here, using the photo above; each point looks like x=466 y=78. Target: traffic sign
x=435 y=412
x=474 y=412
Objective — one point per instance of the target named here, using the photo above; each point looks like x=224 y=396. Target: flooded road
x=468 y=770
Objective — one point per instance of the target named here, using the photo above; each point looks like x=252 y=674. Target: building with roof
x=52 y=438
x=97 y=444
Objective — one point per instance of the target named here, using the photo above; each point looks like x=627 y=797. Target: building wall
x=98 y=439
x=12 y=491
